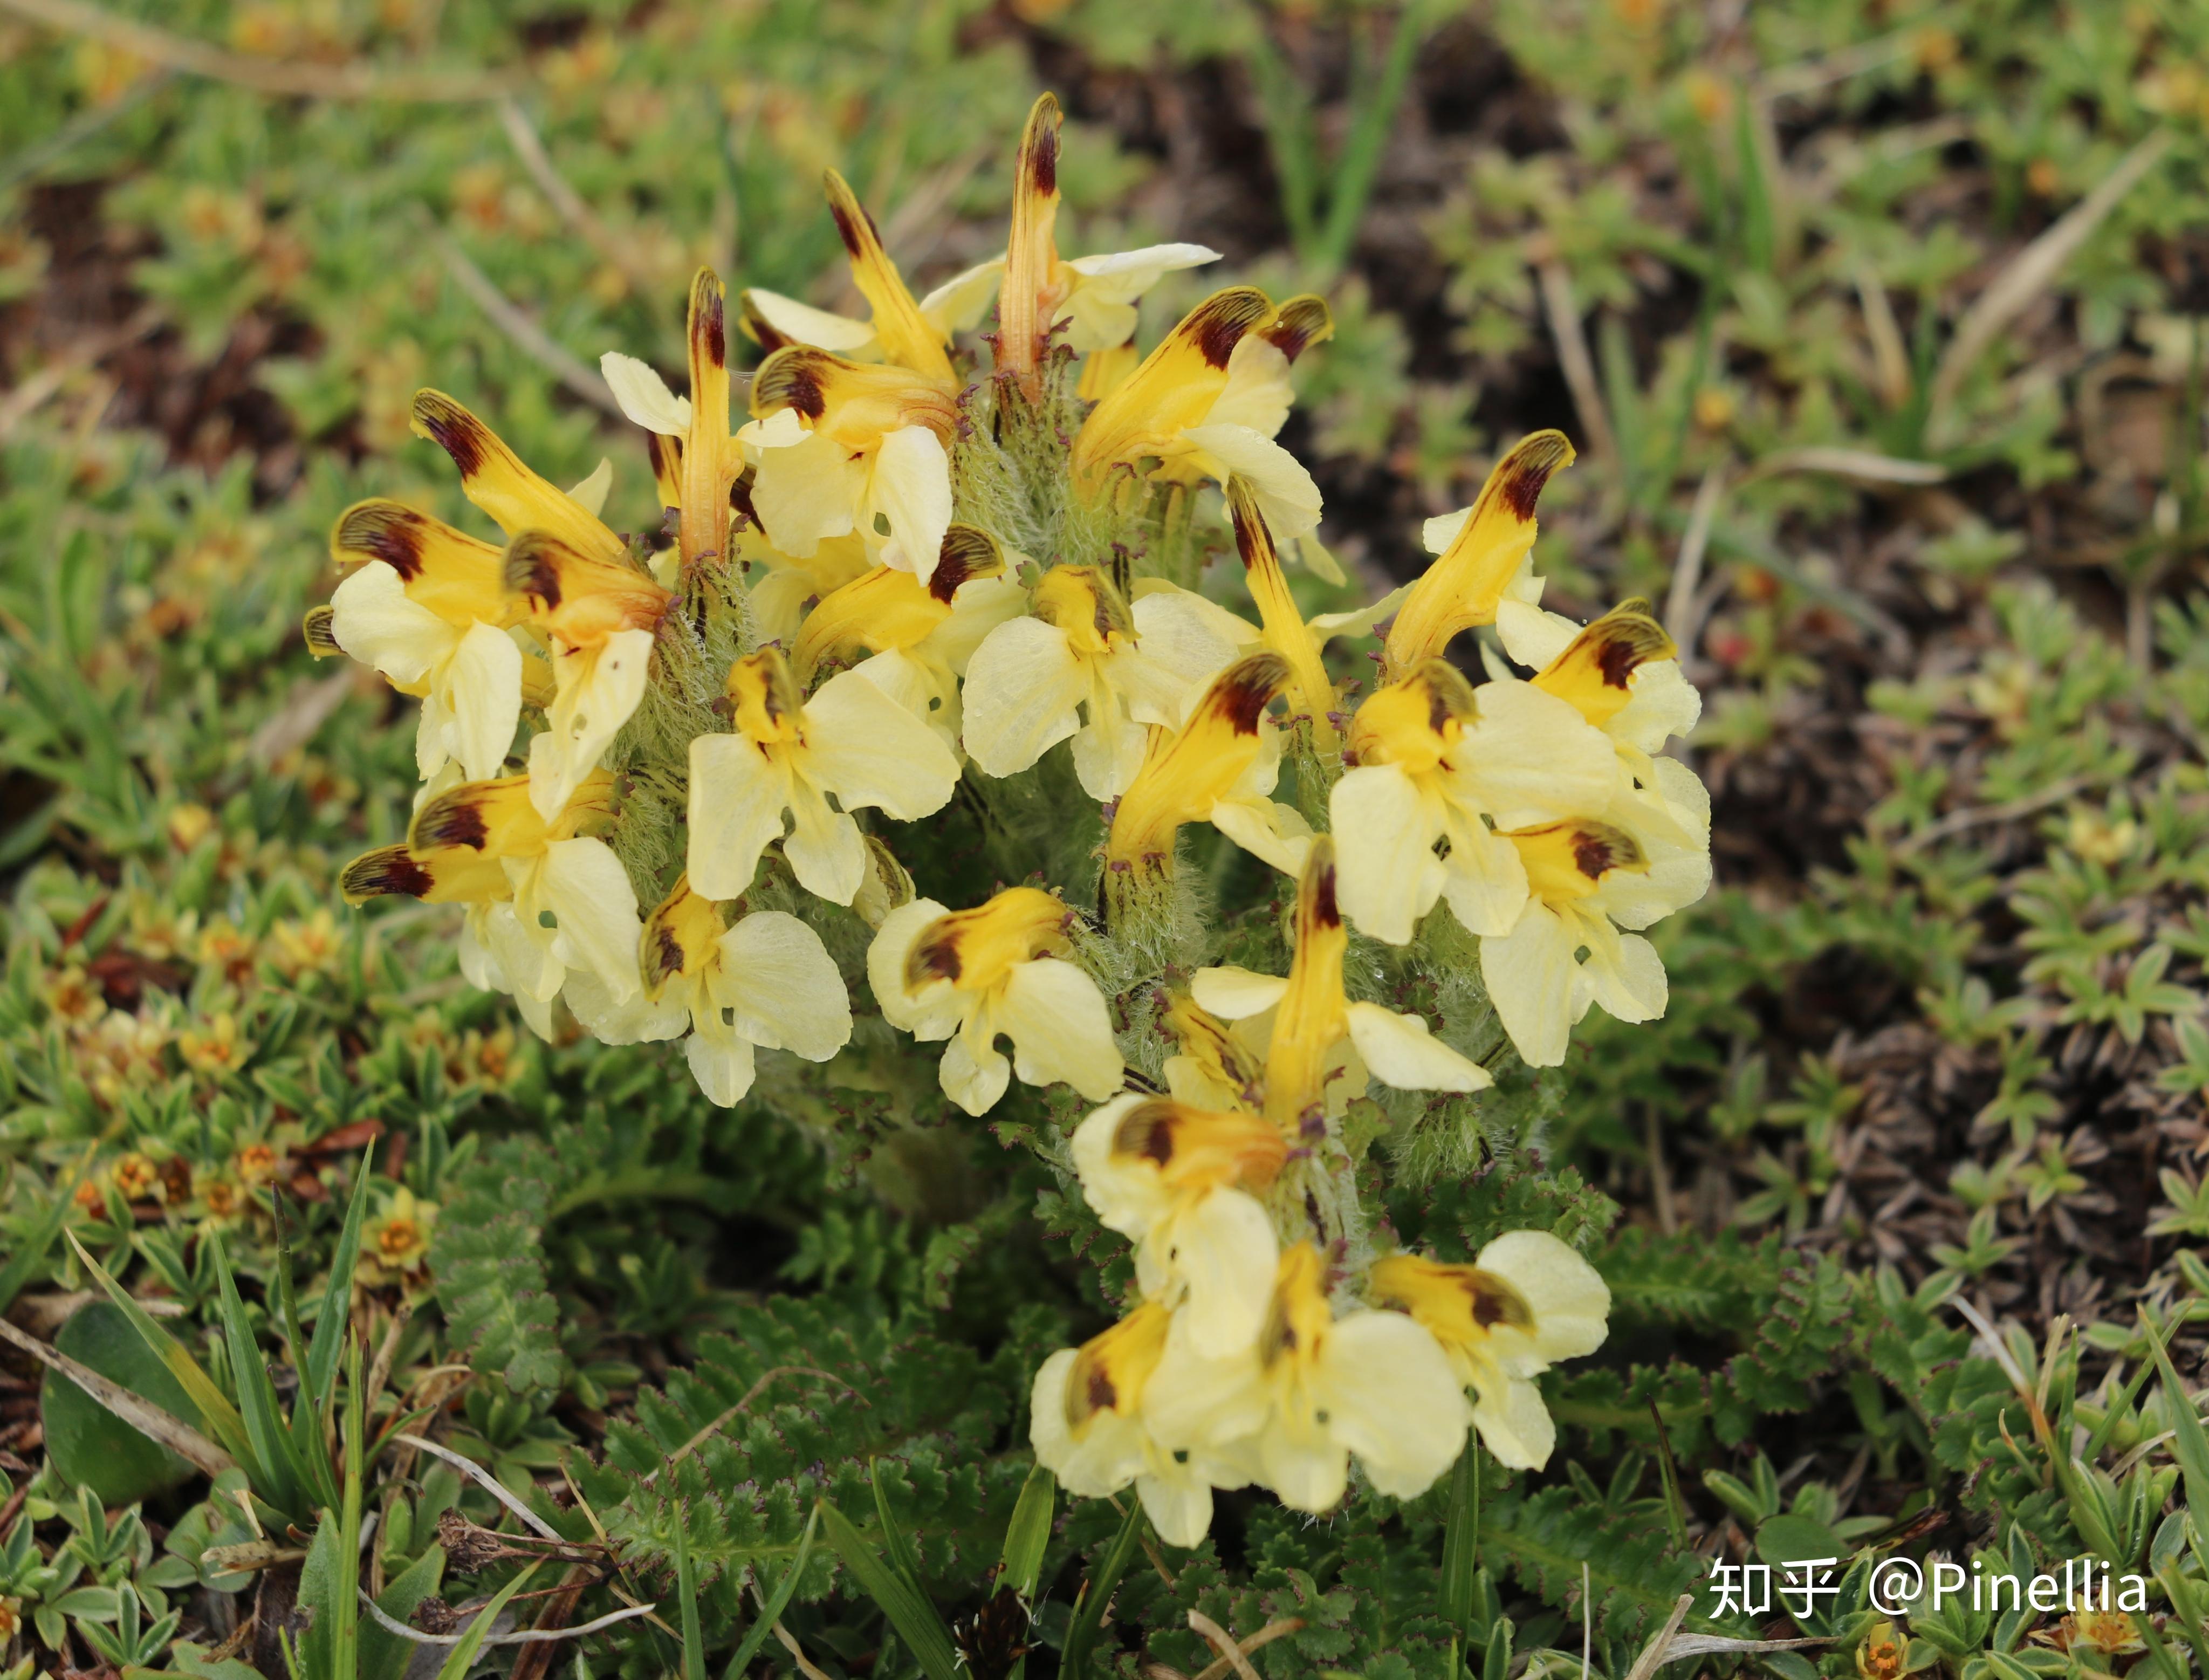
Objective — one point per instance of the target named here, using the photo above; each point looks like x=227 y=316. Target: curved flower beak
x=1596 y=670
x=459 y=577
x=495 y=479
x=887 y=608
x=1030 y=295
x=1468 y=582
x=1175 y=385
x=1186 y=772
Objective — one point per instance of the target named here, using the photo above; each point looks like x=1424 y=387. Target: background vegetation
x=1880 y=324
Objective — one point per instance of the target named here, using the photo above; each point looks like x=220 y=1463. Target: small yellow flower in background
x=221 y=1201
x=1318 y=1047
x=1089 y=1427
x=256 y=1164
x=1528 y=1301
x=969 y=975
x=395 y=1245
x=70 y=995
x=788 y=755
x=1084 y=666
x=310 y=946
x=767 y=983
x=1436 y=759
x=1173 y=1178
x=1312 y=1391
x=2092 y=837
x=213 y=1049
x=1484 y=557
x=1884 y=1653
x=92 y=1196
x=189 y=824
x=137 y=1178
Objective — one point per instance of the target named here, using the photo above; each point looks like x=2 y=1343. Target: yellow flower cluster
x=911 y=568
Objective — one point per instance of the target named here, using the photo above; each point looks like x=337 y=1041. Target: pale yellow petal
x=644 y=396
x=1401 y=1051
x=782 y=985
x=737 y=797
x=1024 y=689
x=1059 y=1028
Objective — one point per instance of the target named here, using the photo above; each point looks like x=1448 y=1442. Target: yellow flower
x=1621 y=673
x=1315 y=1389
x=394 y=1246
x=1174 y=1178
x=1217 y=768
x=1207 y=403
x=1092 y=298
x=427 y=606
x=1319 y=1047
x=573 y=580
x=788 y=755
x=1087 y=1424
x=1085 y=664
x=1436 y=759
x=483 y=844
x=1526 y=1303
x=257 y=1164
x=920 y=636
x=1884 y=1654
x=214 y=1050
x=696 y=458
x=767 y=983
x=969 y=975
x=137 y=1178
x=843 y=448
x=1484 y=557
x=1587 y=878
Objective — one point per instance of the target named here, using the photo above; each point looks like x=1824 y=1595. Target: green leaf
x=915 y=1619
x=321 y=1372
x=221 y=1417
x=383 y=1654
x=26 y=1262
x=1787 y=1537
x=1461 y=1540
x=772 y=1613
x=686 y=1588
x=463 y=1657
x=1097 y=1592
x=1029 y=1533
x=88 y=1444
x=288 y=1480
x=2189 y=1441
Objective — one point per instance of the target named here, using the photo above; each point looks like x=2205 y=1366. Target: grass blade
x=2189 y=1441
x=1029 y=1532
x=771 y=1611
x=895 y=1541
x=348 y=1607
x=214 y=1407
x=321 y=1368
x=915 y=1619
x=1097 y=1592
x=142 y=1415
x=686 y=1588
x=1461 y=1540
x=463 y=1657
x=290 y=1482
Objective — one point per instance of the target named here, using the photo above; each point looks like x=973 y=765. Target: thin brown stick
x=1224 y=1642
x=517 y=324
x=282 y=77
x=750 y=1395
x=574 y=209
x=1216 y=1670
x=1573 y=358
